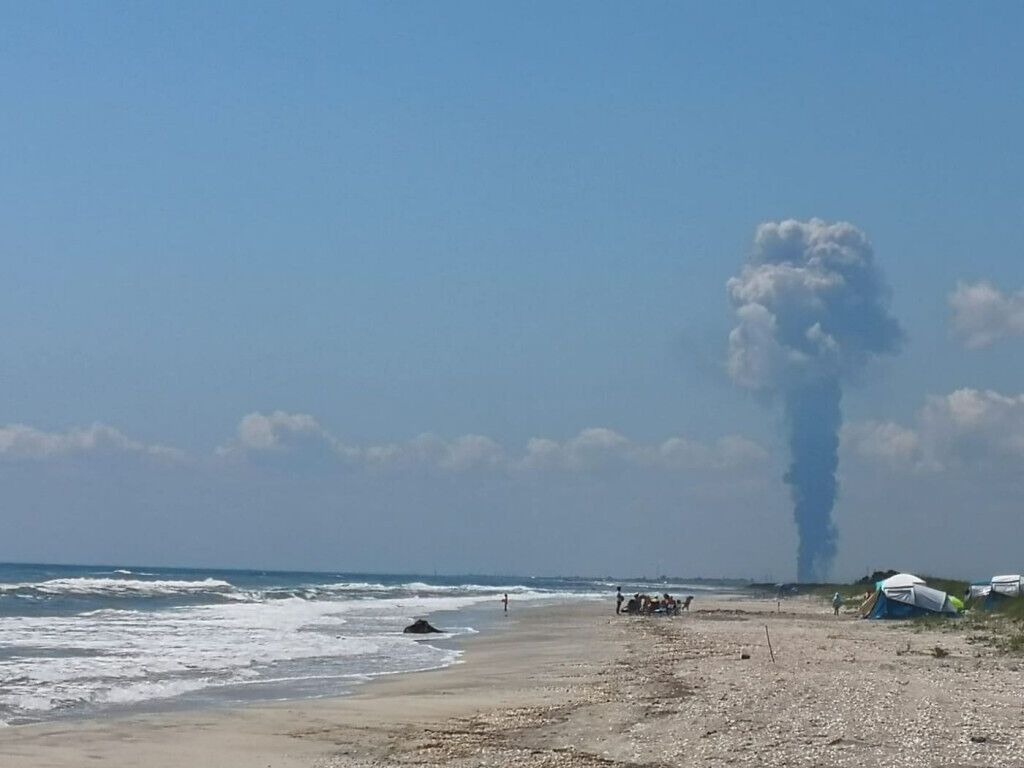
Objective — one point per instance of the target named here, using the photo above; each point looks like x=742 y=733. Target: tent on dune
x=988 y=594
x=904 y=596
x=1008 y=586
x=978 y=590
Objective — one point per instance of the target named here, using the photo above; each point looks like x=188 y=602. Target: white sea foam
x=98 y=586
x=118 y=657
x=314 y=636
x=511 y=588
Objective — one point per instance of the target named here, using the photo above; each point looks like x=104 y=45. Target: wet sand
x=580 y=687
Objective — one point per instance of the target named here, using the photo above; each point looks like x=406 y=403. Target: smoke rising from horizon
x=812 y=311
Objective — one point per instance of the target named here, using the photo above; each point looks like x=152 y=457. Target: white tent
x=921 y=596
x=901 y=581
x=1011 y=586
x=976 y=591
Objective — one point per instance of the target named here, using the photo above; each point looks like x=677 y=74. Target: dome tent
x=900 y=581
x=904 y=596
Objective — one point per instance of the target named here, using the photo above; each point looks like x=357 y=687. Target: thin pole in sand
x=769 y=643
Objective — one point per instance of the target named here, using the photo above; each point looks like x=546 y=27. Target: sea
x=80 y=641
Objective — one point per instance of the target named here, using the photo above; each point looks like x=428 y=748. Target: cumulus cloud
x=590 y=450
x=460 y=454
x=725 y=453
x=19 y=441
x=280 y=432
x=982 y=314
x=882 y=440
x=968 y=428
x=598 y=448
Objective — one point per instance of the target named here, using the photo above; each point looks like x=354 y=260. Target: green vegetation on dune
x=1001 y=628
x=849 y=592
x=1012 y=609
x=863 y=587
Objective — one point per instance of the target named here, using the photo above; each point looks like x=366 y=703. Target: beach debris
x=744 y=655
x=420 y=627
x=769 y=643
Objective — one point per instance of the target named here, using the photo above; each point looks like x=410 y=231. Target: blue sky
x=459 y=219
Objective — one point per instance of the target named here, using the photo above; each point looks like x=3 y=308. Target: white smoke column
x=812 y=311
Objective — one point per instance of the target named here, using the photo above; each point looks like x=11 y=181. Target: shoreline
x=576 y=686
x=483 y=623
x=296 y=732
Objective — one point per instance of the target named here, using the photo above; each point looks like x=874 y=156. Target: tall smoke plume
x=811 y=312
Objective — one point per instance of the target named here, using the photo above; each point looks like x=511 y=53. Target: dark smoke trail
x=812 y=421
x=812 y=312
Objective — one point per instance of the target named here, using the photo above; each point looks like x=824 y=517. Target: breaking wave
x=91 y=586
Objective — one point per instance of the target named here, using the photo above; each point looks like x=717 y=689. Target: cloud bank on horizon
x=24 y=442
x=696 y=507
x=280 y=433
x=812 y=310
x=285 y=491
x=591 y=449
x=967 y=428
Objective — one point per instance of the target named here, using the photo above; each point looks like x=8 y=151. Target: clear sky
x=377 y=228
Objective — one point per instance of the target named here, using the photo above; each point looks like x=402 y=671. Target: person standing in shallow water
x=618 y=599
x=504 y=601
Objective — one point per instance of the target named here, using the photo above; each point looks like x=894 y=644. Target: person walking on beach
x=837 y=603
x=618 y=600
x=504 y=601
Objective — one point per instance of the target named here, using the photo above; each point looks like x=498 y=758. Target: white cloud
x=966 y=428
x=725 y=453
x=282 y=432
x=597 y=448
x=971 y=426
x=19 y=441
x=592 y=449
x=882 y=440
x=279 y=431
x=260 y=432
x=982 y=314
x=462 y=453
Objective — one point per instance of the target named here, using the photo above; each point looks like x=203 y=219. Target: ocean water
x=84 y=640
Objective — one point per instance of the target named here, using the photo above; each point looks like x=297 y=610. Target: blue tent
x=907 y=602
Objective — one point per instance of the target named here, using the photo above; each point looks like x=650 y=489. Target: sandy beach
x=578 y=686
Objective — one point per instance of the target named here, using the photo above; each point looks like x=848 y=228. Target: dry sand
x=580 y=687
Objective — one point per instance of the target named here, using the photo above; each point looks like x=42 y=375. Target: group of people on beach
x=645 y=605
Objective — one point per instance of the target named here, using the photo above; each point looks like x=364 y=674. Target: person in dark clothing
x=618 y=599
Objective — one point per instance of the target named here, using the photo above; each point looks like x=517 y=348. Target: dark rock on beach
x=420 y=627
